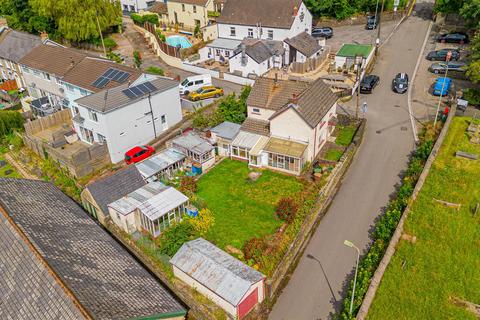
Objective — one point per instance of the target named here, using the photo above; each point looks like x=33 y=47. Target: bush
x=172 y=238
x=152 y=18
x=137 y=59
x=114 y=57
x=286 y=209
x=188 y=185
x=254 y=248
x=137 y=19
x=155 y=70
x=203 y=222
x=10 y=121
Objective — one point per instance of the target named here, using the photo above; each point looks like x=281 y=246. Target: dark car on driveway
x=371 y=22
x=441 y=67
x=322 y=32
x=454 y=37
x=441 y=55
x=400 y=83
x=368 y=83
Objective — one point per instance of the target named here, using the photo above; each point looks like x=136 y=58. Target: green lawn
x=333 y=155
x=345 y=135
x=14 y=174
x=243 y=209
x=444 y=263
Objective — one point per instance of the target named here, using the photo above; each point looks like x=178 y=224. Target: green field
x=242 y=208
x=424 y=279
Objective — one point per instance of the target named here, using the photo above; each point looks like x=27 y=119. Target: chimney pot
x=295 y=11
x=294 y=100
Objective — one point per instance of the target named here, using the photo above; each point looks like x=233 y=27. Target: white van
x=193 y=83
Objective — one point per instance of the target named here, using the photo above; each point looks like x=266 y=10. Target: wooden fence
x=311 y=63
x=63 y=116
x=166 y=48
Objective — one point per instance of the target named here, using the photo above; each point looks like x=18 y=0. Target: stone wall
x=377 y=277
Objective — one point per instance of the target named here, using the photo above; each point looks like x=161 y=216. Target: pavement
x=131 y=40
x=316 y=287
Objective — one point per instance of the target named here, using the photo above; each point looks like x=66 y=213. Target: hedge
x=10 y=121
x=384 y=229
x=141 y=19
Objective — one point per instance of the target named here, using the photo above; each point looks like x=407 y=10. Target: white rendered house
x=128 y=115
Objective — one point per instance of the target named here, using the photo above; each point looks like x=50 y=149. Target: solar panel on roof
x=143 y=88
x=150 y=86
x=102 y=82
x=108 y=72
x=119 y=75
x=123 y=77
x=113 y=74
x=129 y=93
x=136 y=91
x=95 y=84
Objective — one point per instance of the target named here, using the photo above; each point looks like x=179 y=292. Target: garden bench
x=466 y=155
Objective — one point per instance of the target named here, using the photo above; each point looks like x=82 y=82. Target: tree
x=76 y=20
x=448 y=6
x=473 y=71
x=10 y=121
x=21 y=16
x=137 y=59
x=172 y=238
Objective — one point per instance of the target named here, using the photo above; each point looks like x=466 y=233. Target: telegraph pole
x=379 y=21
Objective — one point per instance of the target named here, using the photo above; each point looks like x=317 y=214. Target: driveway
x=131 y=40
x=316 y=287
x=358 y=34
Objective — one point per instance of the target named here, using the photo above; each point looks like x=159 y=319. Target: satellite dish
x=62 y=90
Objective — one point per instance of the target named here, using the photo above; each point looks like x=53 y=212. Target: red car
x=138 y=154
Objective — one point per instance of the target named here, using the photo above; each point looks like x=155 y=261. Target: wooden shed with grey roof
x=231 y=284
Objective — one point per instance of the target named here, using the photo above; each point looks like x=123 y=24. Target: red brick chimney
x=43 y=35
x=294 y=99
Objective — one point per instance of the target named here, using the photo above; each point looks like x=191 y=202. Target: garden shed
x=231 y=284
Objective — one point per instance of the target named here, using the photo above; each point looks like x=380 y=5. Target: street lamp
x=351 y=245
x=358 y=63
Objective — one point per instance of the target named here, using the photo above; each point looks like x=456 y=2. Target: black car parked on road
x=454 y=37
x=368 y=83
x=400 y=83
x=322 y=32
x=441 y=55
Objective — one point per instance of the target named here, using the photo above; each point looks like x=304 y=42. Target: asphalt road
x=316 y=287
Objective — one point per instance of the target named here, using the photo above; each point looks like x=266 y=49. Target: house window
x=83 y=92
x=218 y=52
x=101 y=138
x=256 y=111
x=227 y=53
x=125 y=7
x=47 y=76
x=233 y=32
x=92 y=115
x=183 y=7
x=194 y=9
x=270 y=34
x=164 y=119
x=132 y=8
x=250 y=33
x=118 y=216
x=69 y=87
x=75 y=110
x=284 y=162
x=122 y=134
x=87 y=134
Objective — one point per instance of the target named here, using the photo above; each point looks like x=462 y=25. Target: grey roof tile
x=106 y=280
x=14 y=45
x=111 y=188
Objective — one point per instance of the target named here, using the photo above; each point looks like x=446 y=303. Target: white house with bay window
x=128 y=115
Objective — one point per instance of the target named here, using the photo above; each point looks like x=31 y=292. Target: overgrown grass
x=444 y=263
x=7 y=167
x=345 y=135
x=333 y=155
x=243 y=209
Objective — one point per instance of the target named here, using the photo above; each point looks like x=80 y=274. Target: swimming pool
x=181 y=41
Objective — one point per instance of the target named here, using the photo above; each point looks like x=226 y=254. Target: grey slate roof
x=215 y=269
x=314 y=98
x=106 y=280
x=261 y=50
x=268 y=13
x=115 y=186
x=27 y=288
x=227 y=130
x=304 y=43
x=111 y=99
x=14 y=45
